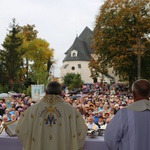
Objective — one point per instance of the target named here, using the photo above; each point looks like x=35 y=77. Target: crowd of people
x=97 y=103
x=11 y=107
x=96 y=106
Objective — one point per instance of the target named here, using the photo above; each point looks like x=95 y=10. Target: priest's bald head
x=141 y=89
x=53 y=87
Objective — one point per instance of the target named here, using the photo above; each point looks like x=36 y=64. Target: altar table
x=12 y=143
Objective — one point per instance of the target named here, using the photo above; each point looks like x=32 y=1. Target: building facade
x=78 y=57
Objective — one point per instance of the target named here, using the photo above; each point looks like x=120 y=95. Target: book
x=10 y=127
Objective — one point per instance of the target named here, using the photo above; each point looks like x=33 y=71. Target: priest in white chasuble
x=51 y=124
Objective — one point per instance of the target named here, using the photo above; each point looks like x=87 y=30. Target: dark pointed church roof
x=82 y=45
x=86 y=36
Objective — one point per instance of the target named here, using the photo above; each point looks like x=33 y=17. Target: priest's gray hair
x=142 y=87
x=53 y=87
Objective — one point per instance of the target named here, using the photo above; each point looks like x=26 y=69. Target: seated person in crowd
x=91 y=125
x=5 y=119
x=106 y=116
x=96 y=116
x=13 y=117
x=101 y=121
x=106 y=123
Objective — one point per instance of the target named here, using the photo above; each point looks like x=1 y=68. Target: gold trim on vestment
x=52 y=98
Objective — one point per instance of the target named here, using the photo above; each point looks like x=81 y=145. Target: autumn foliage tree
x=37 y=55
x=24 y=59
x=40 y=54
x=28 y=33
x=117 y=27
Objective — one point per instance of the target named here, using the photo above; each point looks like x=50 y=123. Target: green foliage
x=24 y=58
x=72 y=81
x=18 y=87
x=40 y=75
x=117 y=28
x=4 y=89
x=27 y=91
x=11 y=60
x=38 y=52
x=28 y=33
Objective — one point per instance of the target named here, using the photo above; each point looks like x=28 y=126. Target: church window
x=66 y=66
x=79 y=65
x=74 y=53
x=73 y=68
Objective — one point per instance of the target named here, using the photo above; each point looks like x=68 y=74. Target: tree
x=72 y=81
x=117 y=28
x=40 y=54
x=25 y=59
x=28 y=33
x=37 y=56
x=96 y=69
x=10 y=57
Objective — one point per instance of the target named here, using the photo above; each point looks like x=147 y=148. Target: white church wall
x=80 y=67
x=84 y=71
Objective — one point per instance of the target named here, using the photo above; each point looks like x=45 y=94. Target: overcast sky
x=57 y=21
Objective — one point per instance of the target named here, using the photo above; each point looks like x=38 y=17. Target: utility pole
x=139 y=50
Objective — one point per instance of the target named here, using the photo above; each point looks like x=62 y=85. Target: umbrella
x=3 y=95
x=74 y=91
x=13 y=93
x=76 y=96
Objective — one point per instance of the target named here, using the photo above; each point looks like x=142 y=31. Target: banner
x=37 y=92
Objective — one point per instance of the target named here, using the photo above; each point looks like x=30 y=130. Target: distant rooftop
x=82 y=45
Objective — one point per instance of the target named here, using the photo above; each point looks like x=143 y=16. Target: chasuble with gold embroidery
x=51 y=124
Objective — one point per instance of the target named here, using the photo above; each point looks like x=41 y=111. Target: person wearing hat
x=129 y=129
x=51 y=123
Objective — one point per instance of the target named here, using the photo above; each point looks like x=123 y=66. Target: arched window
x=74 y=53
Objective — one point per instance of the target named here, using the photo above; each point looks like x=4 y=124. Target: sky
x=57 y=21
